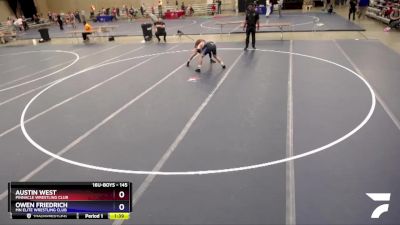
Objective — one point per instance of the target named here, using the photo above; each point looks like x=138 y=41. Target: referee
x=252 y=20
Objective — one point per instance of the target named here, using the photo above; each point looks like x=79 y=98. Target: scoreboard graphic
x=70 y=200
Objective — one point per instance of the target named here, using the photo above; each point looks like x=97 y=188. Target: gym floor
x=295 y=132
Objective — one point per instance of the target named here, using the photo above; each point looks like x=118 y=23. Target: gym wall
x=5 y=10
x=44 y=6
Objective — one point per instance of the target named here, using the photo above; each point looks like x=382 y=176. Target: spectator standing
x=326 y=5
x=54 y=15
x=362 y=8
x=280 y=5
x=114 y=14
x=66 y=17
x=273 y=3
x=91 y=15
x=353 y=8
x=60 y=22
x=72 y=20
x=160 y=13
x=50 y=15
x=83 y=17
x=77 y=16
x=219 y=3
x=191 y=10
x=142 y=9
x=267 y=8
x=130 y=13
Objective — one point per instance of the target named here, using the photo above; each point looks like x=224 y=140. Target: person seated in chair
x=213 y=9
x=330 y=9
x=18 y=23
x=394 y=20
x=191 y=10
x=36 y=18
x=25 y=23
x=131 y=13
x=2 y=39
x=87 y=30
x=159 y=26
x=386 y=12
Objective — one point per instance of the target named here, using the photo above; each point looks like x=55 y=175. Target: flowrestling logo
x=379 y=197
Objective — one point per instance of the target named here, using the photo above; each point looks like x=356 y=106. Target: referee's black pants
x=251 y=30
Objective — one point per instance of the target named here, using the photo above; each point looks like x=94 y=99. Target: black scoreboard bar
x=81 y=216
x=70 y=200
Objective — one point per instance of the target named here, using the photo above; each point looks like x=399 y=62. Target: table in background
x=261 y=9
x=174 y=14
x=104 y=18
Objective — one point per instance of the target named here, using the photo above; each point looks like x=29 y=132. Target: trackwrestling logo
x=379 y=197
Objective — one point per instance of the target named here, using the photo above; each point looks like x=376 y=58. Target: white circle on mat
x=44 y=76
x=200 y=172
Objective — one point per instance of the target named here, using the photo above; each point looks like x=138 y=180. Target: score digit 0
x=121 y=194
